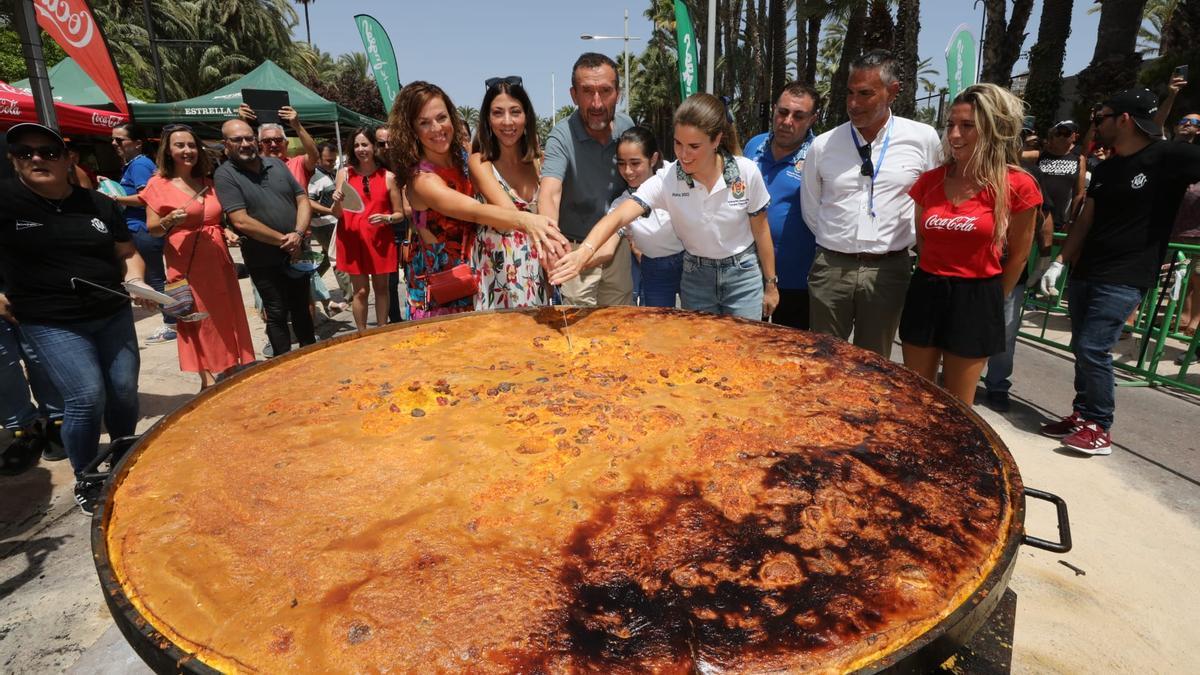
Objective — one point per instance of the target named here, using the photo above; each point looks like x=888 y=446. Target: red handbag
x=456 y=283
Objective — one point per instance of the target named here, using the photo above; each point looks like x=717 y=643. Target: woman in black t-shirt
x=53 y=238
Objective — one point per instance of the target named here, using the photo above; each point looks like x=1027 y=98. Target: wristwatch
x=771 y=281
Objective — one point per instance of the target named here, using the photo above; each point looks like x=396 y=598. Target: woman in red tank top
x=969 y=211
x=428 y=149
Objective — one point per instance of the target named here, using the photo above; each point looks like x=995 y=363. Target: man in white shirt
x=855 y=200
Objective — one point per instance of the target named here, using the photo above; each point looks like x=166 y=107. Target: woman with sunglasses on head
x=183 y=210
x=975 y=219
x=366 y=243
x=64 y=253
x=505 y=166
x=427 y=150
x=131 y=144
x=717 y=201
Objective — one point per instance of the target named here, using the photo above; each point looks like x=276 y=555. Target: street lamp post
x=626 y=37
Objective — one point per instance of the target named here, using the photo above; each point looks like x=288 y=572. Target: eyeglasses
x=26 y=152
x=864 y=153
x=238 y=140
x=1189 y=122
x=118 y=140
x=511 y=80
x=275 y=140
x=1097 y=118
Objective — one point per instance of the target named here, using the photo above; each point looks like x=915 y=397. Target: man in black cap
x=1116 y=246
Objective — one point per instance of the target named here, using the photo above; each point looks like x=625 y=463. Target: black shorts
x=962 y=316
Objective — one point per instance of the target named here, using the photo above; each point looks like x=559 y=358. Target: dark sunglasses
x=367 y=187
x=864 y=153
x=26 y=152
x=273 y=141
x=1189 y=122
x=511 y=80
x=1099 y=117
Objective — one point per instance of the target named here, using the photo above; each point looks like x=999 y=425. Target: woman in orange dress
x=182 y=206
x=366 y=243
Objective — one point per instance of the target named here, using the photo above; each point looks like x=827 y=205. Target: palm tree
x=1115 y=62
x=1003 y=38
x=307 y=28
x=1043 y=89
x=835 y=110
x=470 y=115
x=908 y=29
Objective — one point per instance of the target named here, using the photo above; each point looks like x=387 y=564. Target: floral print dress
x=455 y=239
x=506 y=264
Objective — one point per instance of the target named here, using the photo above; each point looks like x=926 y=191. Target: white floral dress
x=506 y=265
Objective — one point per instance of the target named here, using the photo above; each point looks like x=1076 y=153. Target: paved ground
x=1135 y=517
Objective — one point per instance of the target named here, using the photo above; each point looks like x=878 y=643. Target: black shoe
x=54 y=450
x=87 y=495
x=20 y=449
x=998 y=401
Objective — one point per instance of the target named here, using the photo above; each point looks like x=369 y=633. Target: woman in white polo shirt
x=718 y=205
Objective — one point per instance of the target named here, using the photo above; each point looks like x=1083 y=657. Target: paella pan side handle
x=1064 y=524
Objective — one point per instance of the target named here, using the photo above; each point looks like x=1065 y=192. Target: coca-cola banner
x=16 y=106
x=71 y=24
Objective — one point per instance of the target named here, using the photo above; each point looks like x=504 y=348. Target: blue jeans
x=659 y=279
x=1000 y=366
x=731 y=286
x=95 y=366
x=16 y=408
x=151 y=250
x=1098 y=312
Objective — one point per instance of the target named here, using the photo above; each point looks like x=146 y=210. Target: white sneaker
x=163 y=334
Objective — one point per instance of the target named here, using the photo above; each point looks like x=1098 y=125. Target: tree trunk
x=1003 y=39
x=814 y=46
x=731 y=28
x=880 y=29
x=777 y=28
x=1043 y=89
x=835 y=108
x=1115 y=62
x=908 y=29
x=801 y=39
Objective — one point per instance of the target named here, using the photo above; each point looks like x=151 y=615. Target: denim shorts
x=730 y=286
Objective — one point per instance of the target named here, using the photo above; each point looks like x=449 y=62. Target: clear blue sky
x=458 y=45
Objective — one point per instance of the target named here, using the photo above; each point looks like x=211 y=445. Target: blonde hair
x=709 y=114
x=999 y=116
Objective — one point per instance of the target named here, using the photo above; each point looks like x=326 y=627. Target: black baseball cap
x=1069 y=124
x=19 y=130
x=1140 y=104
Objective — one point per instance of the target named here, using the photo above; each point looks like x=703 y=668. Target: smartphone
x=1181 y=71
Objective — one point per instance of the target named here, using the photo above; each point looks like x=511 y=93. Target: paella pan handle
x=1064 y=524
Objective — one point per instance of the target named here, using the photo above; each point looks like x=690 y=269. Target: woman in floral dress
x=427 y=148
x=504 y=167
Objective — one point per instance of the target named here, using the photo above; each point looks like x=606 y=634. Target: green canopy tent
x=71 y=85
x=215 y=107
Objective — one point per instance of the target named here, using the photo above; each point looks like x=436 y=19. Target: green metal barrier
x=1151 y=328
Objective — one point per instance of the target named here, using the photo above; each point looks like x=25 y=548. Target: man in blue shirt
x=780 y=156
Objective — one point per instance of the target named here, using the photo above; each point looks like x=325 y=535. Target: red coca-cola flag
x=16 y=106
x=73 y=26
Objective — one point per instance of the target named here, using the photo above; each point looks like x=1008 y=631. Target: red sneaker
x=1090 y=439
x=1064 y=427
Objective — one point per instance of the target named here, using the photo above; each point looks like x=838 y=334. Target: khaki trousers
x=610 y=284
x=858 y=296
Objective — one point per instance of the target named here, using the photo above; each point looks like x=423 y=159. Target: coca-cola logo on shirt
x=955 y=224
x=75 y=27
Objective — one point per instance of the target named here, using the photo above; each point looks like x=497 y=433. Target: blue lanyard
x=887 y=139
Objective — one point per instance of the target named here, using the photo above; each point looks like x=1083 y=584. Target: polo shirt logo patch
x=739 y=189
x=1138 y=182
x=100 y=226
x=26 y=224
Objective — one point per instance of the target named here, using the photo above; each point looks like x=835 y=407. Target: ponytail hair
x=711 y=116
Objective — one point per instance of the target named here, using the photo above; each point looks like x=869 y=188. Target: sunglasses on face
x=273 y=141
x=1100 y=117
x=511 y=80
x=26 y=152
x=1189 y=122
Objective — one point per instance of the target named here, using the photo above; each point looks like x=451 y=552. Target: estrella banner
x=960 y=60
x=381 y=57
x=71 y=24
x=685 y=41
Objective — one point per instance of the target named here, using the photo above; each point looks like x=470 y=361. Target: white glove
x=1177 y=278
x=1049 y=282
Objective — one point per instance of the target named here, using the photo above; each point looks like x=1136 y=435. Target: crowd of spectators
x=878 y=227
